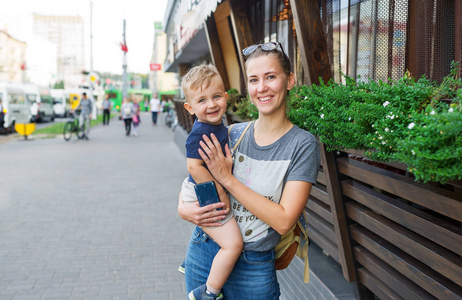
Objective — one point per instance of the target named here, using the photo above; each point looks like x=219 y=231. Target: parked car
x=59 y=103
x=15 y=108
x=41 y=104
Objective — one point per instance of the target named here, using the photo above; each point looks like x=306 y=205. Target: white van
x=41 y=104
x=14 y=105
x=59 y=103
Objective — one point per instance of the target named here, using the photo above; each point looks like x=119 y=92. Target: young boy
x=206 y=98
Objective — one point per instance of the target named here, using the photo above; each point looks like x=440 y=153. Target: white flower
x=413 y=152
x=349 y=118
x=380 y=137
x=383 y=143
x=322 y=116
x=322 y=108
x=411 y=125
x=372 y=125
x=386 y=129
x=392 y=117
x=385 y=104
x=451 y=110
x=433 y=112
x=306 y=98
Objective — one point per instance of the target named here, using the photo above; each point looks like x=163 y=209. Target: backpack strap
x=235 y=134
x=302 y=250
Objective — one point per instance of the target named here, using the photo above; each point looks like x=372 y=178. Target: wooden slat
x=435 y=229
x=321 y=177
x=395 y=280
x=380 y=289
x=433 y=255
x=320 y=209
x=319 y=193
x=213 y=40
x=321 y=225
x=425 y=277
x=442 y=201
x=323 y=242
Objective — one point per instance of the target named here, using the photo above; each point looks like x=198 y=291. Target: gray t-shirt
x=86 y=107
x=265 y=170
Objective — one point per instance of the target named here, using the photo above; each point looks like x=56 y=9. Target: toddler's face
x=209 y=104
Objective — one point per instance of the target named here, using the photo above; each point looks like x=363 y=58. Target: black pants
x=128 y=126
x=106 y=115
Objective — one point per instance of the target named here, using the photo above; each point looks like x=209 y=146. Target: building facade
x=67 y=32
x=12 y=58
x=161 y=81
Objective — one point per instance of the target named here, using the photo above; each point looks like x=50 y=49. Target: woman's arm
x=202 y=216
x=293 y=199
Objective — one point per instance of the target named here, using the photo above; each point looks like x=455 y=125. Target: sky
x=108 y=16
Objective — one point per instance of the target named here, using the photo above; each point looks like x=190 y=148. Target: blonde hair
x=199 y=76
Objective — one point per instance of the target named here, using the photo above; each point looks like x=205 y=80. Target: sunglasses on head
x=265 y=47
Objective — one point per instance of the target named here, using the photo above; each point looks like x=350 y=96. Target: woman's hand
x=206 y=216
x=219 y=166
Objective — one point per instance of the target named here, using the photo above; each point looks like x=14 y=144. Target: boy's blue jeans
x=253 y=276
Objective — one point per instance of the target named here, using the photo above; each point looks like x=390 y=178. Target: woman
x=127 y=110
x=275 y=167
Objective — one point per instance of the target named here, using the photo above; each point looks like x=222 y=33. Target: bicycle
x=72 y=125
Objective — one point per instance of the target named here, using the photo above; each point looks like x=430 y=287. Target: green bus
x=138 y=95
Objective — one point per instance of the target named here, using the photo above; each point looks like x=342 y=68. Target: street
x=93 y=219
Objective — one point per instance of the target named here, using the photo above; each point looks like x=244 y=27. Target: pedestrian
x=155 y=107
x=276 y=165
x=127 y=110
x=2 y=117
x=136 y=117
x=86 y=108
x=146 y=105
x=206 y=98
x=106 y=109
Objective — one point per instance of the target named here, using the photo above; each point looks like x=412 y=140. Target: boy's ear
x=188 y=108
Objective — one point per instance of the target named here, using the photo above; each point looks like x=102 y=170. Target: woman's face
x=268 y=84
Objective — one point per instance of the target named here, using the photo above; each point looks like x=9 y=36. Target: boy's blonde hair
x=199 y=76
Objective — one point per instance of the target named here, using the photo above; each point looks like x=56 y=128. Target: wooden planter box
x=399 y=238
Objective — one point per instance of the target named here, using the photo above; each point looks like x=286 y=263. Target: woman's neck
x=268 y=129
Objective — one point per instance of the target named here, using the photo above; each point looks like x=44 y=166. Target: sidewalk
x=93 y=219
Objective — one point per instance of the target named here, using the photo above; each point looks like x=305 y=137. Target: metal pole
x=94 y=115
x=124 y=76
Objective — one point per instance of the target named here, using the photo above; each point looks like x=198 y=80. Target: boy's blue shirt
x=195 y=136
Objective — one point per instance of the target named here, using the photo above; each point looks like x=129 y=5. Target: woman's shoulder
x=303 y=135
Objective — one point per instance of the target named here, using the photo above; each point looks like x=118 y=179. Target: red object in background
x=23 y=66
x=155 y=67
x=108 y=81
x=124 y=47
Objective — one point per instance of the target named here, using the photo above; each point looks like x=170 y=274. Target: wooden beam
x=311 y=40
x=213 y=40
x=241 y=28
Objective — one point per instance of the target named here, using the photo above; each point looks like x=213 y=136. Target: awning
x=195 y=49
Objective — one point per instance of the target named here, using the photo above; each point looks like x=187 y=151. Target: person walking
x=106 y=109
x=136 y=117
x=146 y=105
x=155 y=108
x=86 y=108
x=127 y=110
x=276 y=165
